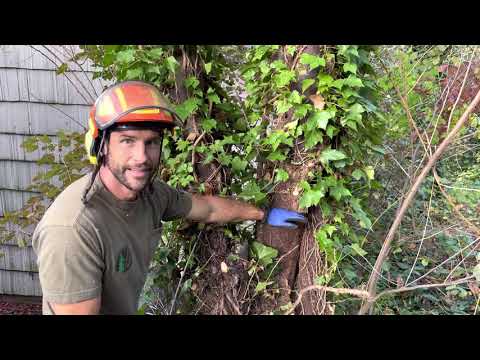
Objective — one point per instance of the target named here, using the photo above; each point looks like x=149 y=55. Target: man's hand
x=216 y=209
x=284 y=218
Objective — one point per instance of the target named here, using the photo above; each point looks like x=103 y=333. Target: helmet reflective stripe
x=121 y=99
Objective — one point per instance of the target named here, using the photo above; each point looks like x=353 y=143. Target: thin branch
x=427 y=286
x=405 y=105
x=64 y=113
x=69 y=80
x=423 y=235
x=85 y=72
x=461 y=90
x=354 y=292
x=469 y=224
x=183 y=274
x=74 y=74
x=366 y=295
x=443 y=262
x=411 y=194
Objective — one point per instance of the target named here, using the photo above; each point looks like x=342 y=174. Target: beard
x=134 y=178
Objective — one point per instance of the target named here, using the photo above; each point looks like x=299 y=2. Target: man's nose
x=140 y=153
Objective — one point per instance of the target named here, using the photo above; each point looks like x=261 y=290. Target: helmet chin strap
x=100 y=158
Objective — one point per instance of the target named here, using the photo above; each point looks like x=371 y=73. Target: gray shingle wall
x=34 y=101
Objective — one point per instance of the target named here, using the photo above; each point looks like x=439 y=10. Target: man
x=95 y=242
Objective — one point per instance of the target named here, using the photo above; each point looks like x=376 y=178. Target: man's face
x=132 y=156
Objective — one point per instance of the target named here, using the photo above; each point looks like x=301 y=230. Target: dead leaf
x=192 y=136
x=223 y=267
x=474 y=288
x=318 y=101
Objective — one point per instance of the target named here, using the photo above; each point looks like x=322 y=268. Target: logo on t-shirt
x=124 y=260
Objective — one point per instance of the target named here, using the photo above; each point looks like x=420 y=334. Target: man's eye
x=127 y=141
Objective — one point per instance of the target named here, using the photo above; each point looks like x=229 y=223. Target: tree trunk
x=299 y=259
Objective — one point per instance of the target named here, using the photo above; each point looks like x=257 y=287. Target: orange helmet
x=127 y=104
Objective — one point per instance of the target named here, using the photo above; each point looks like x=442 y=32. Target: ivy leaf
x=312 y=60
x=134 y=73
x=359 y=214
x=239 y=164
x=262 y=285
x=291 y=125
x=350 y=67
x=353 y=81
x=295 y=98
x=356 y=109
x=329 y=229
x=321 y=118
x=306 y=84
x=284 y=78
x=251 y=191
x=209 y=124
x=214 y=98
x=325 y=80
x=126 y=56
x=331 y=155
x=358 y=250
x=282 y=106
x=424 y=261
x=339 y=191
x=323 y=240
x=186 y=108
x=155 y=53
x=264 y=254
x=208 y=68
x=276 y=156
x=330 y=130
x=370 y=171
x=291 y=49
x=377 y=149
x=171 y=63
x=191 y=82
x=155 y=69
x=311 y=198
x=301 y=110
x=312 y=138
x=282 y=175
x=358 y=174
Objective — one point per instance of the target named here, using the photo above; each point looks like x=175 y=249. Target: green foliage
x=347 y=133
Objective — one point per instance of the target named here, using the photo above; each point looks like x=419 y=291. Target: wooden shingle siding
x=17 y=258
x=19 y=283
x=34 y=100
x=36 y=118
x=10 y=149
x=30 y=86
x=23 y=235
x=14 y=56
x=13 y=200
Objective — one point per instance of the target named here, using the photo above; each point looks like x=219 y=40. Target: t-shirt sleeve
x=178 y=203
x=70 y=264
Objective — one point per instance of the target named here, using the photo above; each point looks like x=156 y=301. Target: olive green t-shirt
x=103 y=248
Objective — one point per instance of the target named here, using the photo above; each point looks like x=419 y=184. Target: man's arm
x=87 y=307
x=217 y=209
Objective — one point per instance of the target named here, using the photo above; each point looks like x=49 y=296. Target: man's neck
x=120 y=191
